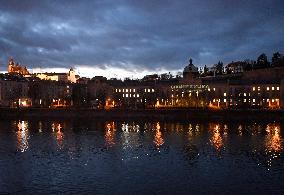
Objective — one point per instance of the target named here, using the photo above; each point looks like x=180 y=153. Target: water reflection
x=130 y=136
x=216 y=139
x=110 y=133
x=130 y=127
x=273 y=138
x=158 y=138
x=273 y=143
x=22 y=136
x=57 y=129
x=40 y=126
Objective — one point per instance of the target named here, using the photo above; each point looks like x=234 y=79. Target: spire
x=190 y=61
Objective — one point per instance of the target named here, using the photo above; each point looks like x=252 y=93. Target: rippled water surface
x=140 y=157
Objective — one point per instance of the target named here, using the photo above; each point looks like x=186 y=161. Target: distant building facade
x=15 y=68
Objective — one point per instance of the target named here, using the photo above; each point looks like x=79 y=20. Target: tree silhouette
x=219 y=67
x=262 y=61
x=205 y=70
x=275 y=57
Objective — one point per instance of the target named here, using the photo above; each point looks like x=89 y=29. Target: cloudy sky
x=120 y=38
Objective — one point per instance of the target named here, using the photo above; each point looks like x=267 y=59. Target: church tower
x=11 y=64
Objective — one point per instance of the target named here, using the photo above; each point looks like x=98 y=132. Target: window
x=153 y=90
x=253 y=100
x=225 y=100
x=126 y=90
x=137 y=95
x=122 y=90
x=225 y=94
x=267 y=88
x=130 y=90
x=245 y=100
x=258 y=88
x=277 y=88
x=149 y=90
x=126 y=95
x=272 y=88
x=115 y=90
x=134 y=90
x=253 y=88
x=119 y=90
x=245 y=94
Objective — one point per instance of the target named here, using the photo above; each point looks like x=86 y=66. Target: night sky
x=122 y=38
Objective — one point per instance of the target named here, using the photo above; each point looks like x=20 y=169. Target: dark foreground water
x=140 y=157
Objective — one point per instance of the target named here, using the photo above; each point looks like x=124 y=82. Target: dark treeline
x=261 y=62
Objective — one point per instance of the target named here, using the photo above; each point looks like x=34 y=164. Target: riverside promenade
x=147 y=114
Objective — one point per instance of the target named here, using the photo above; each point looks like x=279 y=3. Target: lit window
x=225 y=94
x=272 y=88
x=208 y=89
x=225 y=100
x=134 y=90
x=245 y=100
x=253 y=100
x=214 y=89
x=153 y=90
x=277 y=88
x=267 y=100
x=213 y=100
x=122 y=90
x=253 y=88
x=122 y=95
x=126 y=90
x=149 y=90
x=133 y=95
x=258 y=88
x=130 y=90
x=145 y=90
x=267 y=88
x=126 y=95
x=115 y=90
x=130 y=95
x=137 y=95
x=245 y=94
x=119 y=90
x=272 y=100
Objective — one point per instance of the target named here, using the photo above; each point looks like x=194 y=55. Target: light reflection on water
x=158 y=139
x=178 y=153
x=110 y=133
x=22 y=136
x=216 y=139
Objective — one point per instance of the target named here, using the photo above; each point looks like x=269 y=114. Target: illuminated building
x=64 y=77
x=15 y=68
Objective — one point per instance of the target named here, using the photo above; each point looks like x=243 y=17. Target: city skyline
x=131 y=39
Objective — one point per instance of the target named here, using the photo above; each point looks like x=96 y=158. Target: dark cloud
x=144 y=34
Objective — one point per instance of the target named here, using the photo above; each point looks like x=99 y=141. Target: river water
x=140 y=157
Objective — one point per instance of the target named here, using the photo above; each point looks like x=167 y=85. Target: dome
x=190 y=67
